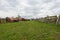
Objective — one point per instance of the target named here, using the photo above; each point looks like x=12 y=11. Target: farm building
x=11 y=19
x=8 y=19
x=14 y=19
x=50 y=19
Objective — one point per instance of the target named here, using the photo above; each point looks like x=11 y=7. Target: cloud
x=8 y=14
x=29 y=8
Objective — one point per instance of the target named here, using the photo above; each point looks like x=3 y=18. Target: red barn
x=14 y=19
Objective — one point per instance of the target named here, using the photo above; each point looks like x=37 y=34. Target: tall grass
x=29 y=30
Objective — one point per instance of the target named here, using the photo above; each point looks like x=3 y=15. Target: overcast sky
x=29 y=8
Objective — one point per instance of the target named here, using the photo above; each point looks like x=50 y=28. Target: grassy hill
x=29 y=30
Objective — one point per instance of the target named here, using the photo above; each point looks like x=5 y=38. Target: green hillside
x=29 y=30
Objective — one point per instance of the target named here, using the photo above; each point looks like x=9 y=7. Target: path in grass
x=29 y=30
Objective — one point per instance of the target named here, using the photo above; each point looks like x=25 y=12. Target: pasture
x=29 y=30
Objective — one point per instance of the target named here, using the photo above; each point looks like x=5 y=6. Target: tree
x=18 y=16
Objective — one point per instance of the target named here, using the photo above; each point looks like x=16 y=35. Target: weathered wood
x=58 y=20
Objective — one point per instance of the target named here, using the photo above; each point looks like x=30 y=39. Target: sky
x=29 y=8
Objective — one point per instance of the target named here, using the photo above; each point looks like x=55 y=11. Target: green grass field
x=29 y=30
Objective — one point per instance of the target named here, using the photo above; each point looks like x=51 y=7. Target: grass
x=29 y=30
